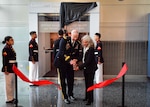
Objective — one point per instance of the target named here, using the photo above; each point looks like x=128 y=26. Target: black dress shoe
x=85 y=99
x=9 y=101
x=14 y=101
x=72 y=98
x=88 y=103
x=66 y=101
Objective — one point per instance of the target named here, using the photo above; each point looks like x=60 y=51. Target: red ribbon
x=109 y=81
x=24 y=78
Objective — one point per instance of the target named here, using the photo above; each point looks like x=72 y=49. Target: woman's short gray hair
x=89 y=40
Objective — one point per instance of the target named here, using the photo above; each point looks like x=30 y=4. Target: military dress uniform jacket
x=56 y=46
x=67 y=51
x=9 y=58
x=98 y=52
x=33 y=50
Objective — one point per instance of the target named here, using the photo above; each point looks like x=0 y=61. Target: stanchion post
x=123 y=89
x=16 y=90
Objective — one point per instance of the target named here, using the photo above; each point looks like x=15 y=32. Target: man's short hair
x=74 y=31
x=61 y=32
x=98 y=34
x=32 y=32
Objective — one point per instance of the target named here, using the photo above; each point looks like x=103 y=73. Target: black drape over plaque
x=70 y=12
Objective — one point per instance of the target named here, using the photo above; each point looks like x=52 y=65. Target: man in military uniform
x=56 y=43
x=56 y=48
x=99 y=58
x=68 y=52
x=33 y=58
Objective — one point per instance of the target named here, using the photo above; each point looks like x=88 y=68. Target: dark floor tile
x=137 y=94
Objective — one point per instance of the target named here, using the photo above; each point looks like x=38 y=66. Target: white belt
x=35 y=51
x=80 y=50
x=57 y=50
x=12 y=61
x=95 y=53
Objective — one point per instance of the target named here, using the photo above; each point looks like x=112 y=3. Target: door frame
x=53 y=7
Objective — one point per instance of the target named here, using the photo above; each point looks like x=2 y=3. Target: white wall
x=124 y=20
x=14 y=22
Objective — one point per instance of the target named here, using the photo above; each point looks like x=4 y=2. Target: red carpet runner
x=24 y=78
x=109 y=81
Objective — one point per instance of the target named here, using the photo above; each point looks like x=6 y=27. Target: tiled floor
x=137 y=94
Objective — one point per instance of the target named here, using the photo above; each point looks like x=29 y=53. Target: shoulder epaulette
x=79 y=42
x=65 y=37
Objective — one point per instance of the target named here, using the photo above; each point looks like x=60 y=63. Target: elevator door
x=44 y=53
x=48 y=28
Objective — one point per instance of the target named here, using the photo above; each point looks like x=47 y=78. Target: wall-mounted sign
x=54 y=26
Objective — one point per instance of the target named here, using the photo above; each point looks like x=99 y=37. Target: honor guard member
x=68 y=51
x=9 y=58
x=33 y=58
x=56 y=47
x=56 y=43
x=99 y=58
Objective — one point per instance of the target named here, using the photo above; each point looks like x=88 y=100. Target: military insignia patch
x=5 y=53
x=99 y=48
x=67 y=46
x=31 y=46
x=76 y=47
x=79 y=42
